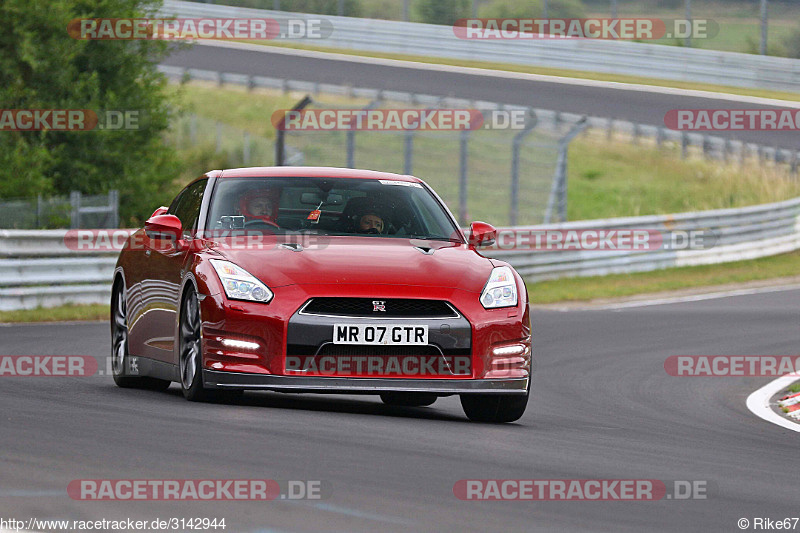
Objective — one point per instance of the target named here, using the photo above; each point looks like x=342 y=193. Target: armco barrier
x=37 y=268
x=615 y=57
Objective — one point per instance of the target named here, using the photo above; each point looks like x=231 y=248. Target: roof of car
x=313 y=172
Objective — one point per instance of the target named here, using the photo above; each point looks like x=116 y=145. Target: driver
x=370 y=222
x=260 y=205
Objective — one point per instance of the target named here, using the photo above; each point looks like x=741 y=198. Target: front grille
x=365 y=307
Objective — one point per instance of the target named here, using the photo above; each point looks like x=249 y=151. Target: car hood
x=364 y=261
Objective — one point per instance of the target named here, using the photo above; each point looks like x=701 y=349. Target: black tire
x=190 y=350
x=495 y=408
x=408 y=399
x=120 y=357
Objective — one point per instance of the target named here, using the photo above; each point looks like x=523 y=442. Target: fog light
x=514 y=349
x=241 y=345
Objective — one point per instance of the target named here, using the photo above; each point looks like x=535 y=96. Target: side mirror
x=160 y=211
x=482 y=234
x=163 y=227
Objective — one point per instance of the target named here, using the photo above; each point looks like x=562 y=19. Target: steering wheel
x=259 y=223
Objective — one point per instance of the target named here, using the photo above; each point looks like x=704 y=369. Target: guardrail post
x=558 y=190
x=408 y=152
x=793 y=167
x=193 y=129
x=659 y=136
x=113 y=203
x=280 y=134
x=351 y=138
x=684 y=145
x=39 y=208
x=515 y=148
x=462 y=177
x=75 y=209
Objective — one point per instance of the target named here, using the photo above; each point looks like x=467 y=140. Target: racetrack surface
x=602 y=407
x=616 y=103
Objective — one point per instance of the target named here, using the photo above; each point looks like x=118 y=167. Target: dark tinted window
x=187 y=205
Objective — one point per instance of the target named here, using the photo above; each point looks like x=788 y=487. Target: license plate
x=380 y=334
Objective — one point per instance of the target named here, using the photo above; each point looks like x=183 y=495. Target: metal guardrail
x=614 y=57
x=37 y=269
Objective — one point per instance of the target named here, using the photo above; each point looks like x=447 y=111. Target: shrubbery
x=42 y=67
x=532 y=8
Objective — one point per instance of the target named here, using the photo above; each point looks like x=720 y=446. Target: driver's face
x=369 y=222
x=260 y=206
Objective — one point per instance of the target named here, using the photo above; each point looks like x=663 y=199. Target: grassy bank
x=606 y=178
x=621 y=285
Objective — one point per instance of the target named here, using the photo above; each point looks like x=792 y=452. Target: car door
x=161 y=286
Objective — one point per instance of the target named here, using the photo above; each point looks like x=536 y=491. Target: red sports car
x=320 y=280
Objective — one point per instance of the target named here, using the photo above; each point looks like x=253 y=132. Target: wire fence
x=73 y=211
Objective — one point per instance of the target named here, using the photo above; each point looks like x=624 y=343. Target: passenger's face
x=260 y=206
x=369 y=222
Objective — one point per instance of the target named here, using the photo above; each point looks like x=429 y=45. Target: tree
x=532 y=8
x=443 y=12
x=42 y=67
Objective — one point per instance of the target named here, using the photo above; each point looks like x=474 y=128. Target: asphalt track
x=602 y=407
x=622 y=104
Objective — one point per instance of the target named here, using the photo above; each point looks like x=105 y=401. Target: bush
x=444 y=12
x=352 y=8
x=532 y=8
x=42 y=67
x=791 y=44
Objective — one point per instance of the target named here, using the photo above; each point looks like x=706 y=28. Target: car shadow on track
x=359 y=404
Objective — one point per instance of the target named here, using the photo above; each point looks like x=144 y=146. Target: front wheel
x=122 y=367
x=495 y=408
x=191 y=350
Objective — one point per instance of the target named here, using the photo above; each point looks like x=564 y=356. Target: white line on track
x=758 y=402
x=416 y=65
x=695 y=297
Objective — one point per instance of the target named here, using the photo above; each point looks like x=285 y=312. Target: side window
x=187 y=205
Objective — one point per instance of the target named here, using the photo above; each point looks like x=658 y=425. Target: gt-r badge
x=378 y=306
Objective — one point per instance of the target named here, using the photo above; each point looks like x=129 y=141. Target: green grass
x=606 y=179
x=621 y=179
x=621 y=285
x=794 y=388
x=57 y=314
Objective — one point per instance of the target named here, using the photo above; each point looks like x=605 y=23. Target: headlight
x=500 y=290
x=239 y=284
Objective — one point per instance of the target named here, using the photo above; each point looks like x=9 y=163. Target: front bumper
x=347 y=385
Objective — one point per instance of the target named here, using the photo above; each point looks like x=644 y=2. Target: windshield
x=329 y=206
